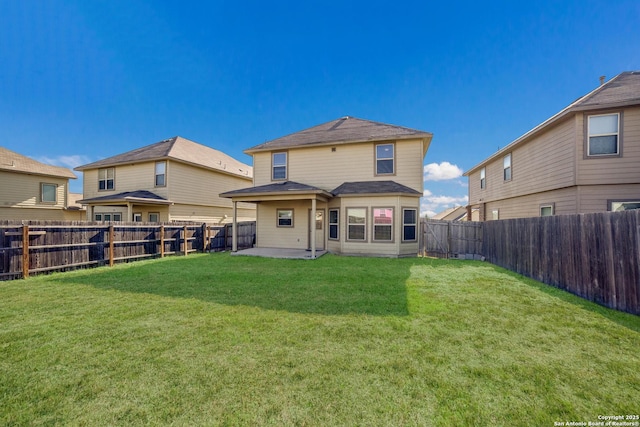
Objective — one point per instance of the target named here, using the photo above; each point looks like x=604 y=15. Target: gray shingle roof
x=14 y=162
x=278 y=187
x=139 y=195
x=373 y=187
x=181 y=149
x=342 y=131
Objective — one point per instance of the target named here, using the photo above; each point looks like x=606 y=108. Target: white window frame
x=617 y=134
x=335 y=224
x=386 y=159
x=507 y=167
x=495 y=214
x=351 y=224
x=108 y=176
x=379 y=226
x=279 y=165
x=55 y=193
x=612 y=204
x=483 y=178
x=162 y=173
x=550 y=206
x=157 y=217
x=137 y=217
x=278 y=218
x=406 y=225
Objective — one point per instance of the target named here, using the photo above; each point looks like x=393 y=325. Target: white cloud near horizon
x=70 y=162
x=441 y=171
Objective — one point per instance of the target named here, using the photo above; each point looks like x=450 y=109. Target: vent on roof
x=602 y=78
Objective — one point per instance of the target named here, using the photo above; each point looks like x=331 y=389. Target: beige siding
x=595 y=198
x=23 y=190
x=542 y=164
x=327 y=169
x=208 y=214
x=41 y=214
x=269 y=235
x=612 y=170
x=564 y=201
x=140 y=176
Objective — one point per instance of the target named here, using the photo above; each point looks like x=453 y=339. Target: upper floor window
x=506 y=164
x=483 y=178
x=161 y=174
x=385 y=159
x=48 y=193
x=279 y=166
x=106 y=179
x=604 y=132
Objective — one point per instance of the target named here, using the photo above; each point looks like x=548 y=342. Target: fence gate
x=451 y=239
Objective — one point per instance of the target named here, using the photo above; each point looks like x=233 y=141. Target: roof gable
x=342 y=131
x=179 y=149
x=13 y=162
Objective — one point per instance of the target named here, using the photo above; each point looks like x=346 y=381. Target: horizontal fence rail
x=33 y=247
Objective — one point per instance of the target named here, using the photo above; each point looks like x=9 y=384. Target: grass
x=221 y=340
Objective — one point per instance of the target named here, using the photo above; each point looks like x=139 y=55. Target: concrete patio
x=279 y=253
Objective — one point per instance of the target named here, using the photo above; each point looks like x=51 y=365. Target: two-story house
x=31 y=190
x=584 y=159
x=349 y=186
x=171 y=180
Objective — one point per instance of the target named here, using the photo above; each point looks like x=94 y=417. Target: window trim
x=106 y=179
x=366 y=213
x=483 y=178
x=153 y=213
x=620 y=115
x=374 y=225
x=507 y=168
x=286 y=165
x=610 y=203
x=552 y=206
x=156 y=174
x=414 y=225
x=111 y=216
x=278 y=225
x=55 y=193
x=336 y=224
x=137 y=217
x=376 y=159
x=495 y=214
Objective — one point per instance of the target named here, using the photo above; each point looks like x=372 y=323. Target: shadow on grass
x=330 y=285
x=626 y=320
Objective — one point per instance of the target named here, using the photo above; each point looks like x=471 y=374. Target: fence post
x=25 y=251
x=184 y=239
x=112 y=236
x=205 y=237
x=162 y=241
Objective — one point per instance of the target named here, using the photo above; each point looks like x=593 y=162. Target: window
x=285 y=217
x=161 y=174
x=384 y=159
x=495 y=214
x=137 y=217
x=483 y=178
x=383 y=224
x=279 y=166
x=116 y=216
x=106 y=179
x=506 y=164
x=624 y=206
x=48 y=193
x=154 y=217
x=547 y=210
x=409 y=225
x=334 y=230
x=603 y=135
x=356 y=224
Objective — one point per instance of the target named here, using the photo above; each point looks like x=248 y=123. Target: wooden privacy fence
x=45 y=246
x=595 y=256
x=451 y=239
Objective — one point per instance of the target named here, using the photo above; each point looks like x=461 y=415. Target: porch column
x=312 y=227
x=129 y=212
x=234 y=229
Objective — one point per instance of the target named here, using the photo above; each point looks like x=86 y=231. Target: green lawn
x=211 y=339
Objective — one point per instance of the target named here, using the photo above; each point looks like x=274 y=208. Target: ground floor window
x=409 y=225
x=624 y=206
x=546 y=210
x=383 y=224
x=154 y=217
x=357 y=224
x=137 y=217
x=334 y=218
x=285 y=217
x=115 y=216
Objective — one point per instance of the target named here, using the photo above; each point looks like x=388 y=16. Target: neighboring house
x=30 y=190
x=349 y=186
x=584 y=159
x=172 y=180
x=456 y=213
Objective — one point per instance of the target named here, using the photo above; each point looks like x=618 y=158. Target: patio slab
x=279 y=253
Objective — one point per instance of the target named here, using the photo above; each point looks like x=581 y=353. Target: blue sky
x=84 y=80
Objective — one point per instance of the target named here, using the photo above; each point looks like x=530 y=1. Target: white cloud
x=426 y=193
x=432 y=205
x=65 y=161
x=442 y=171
